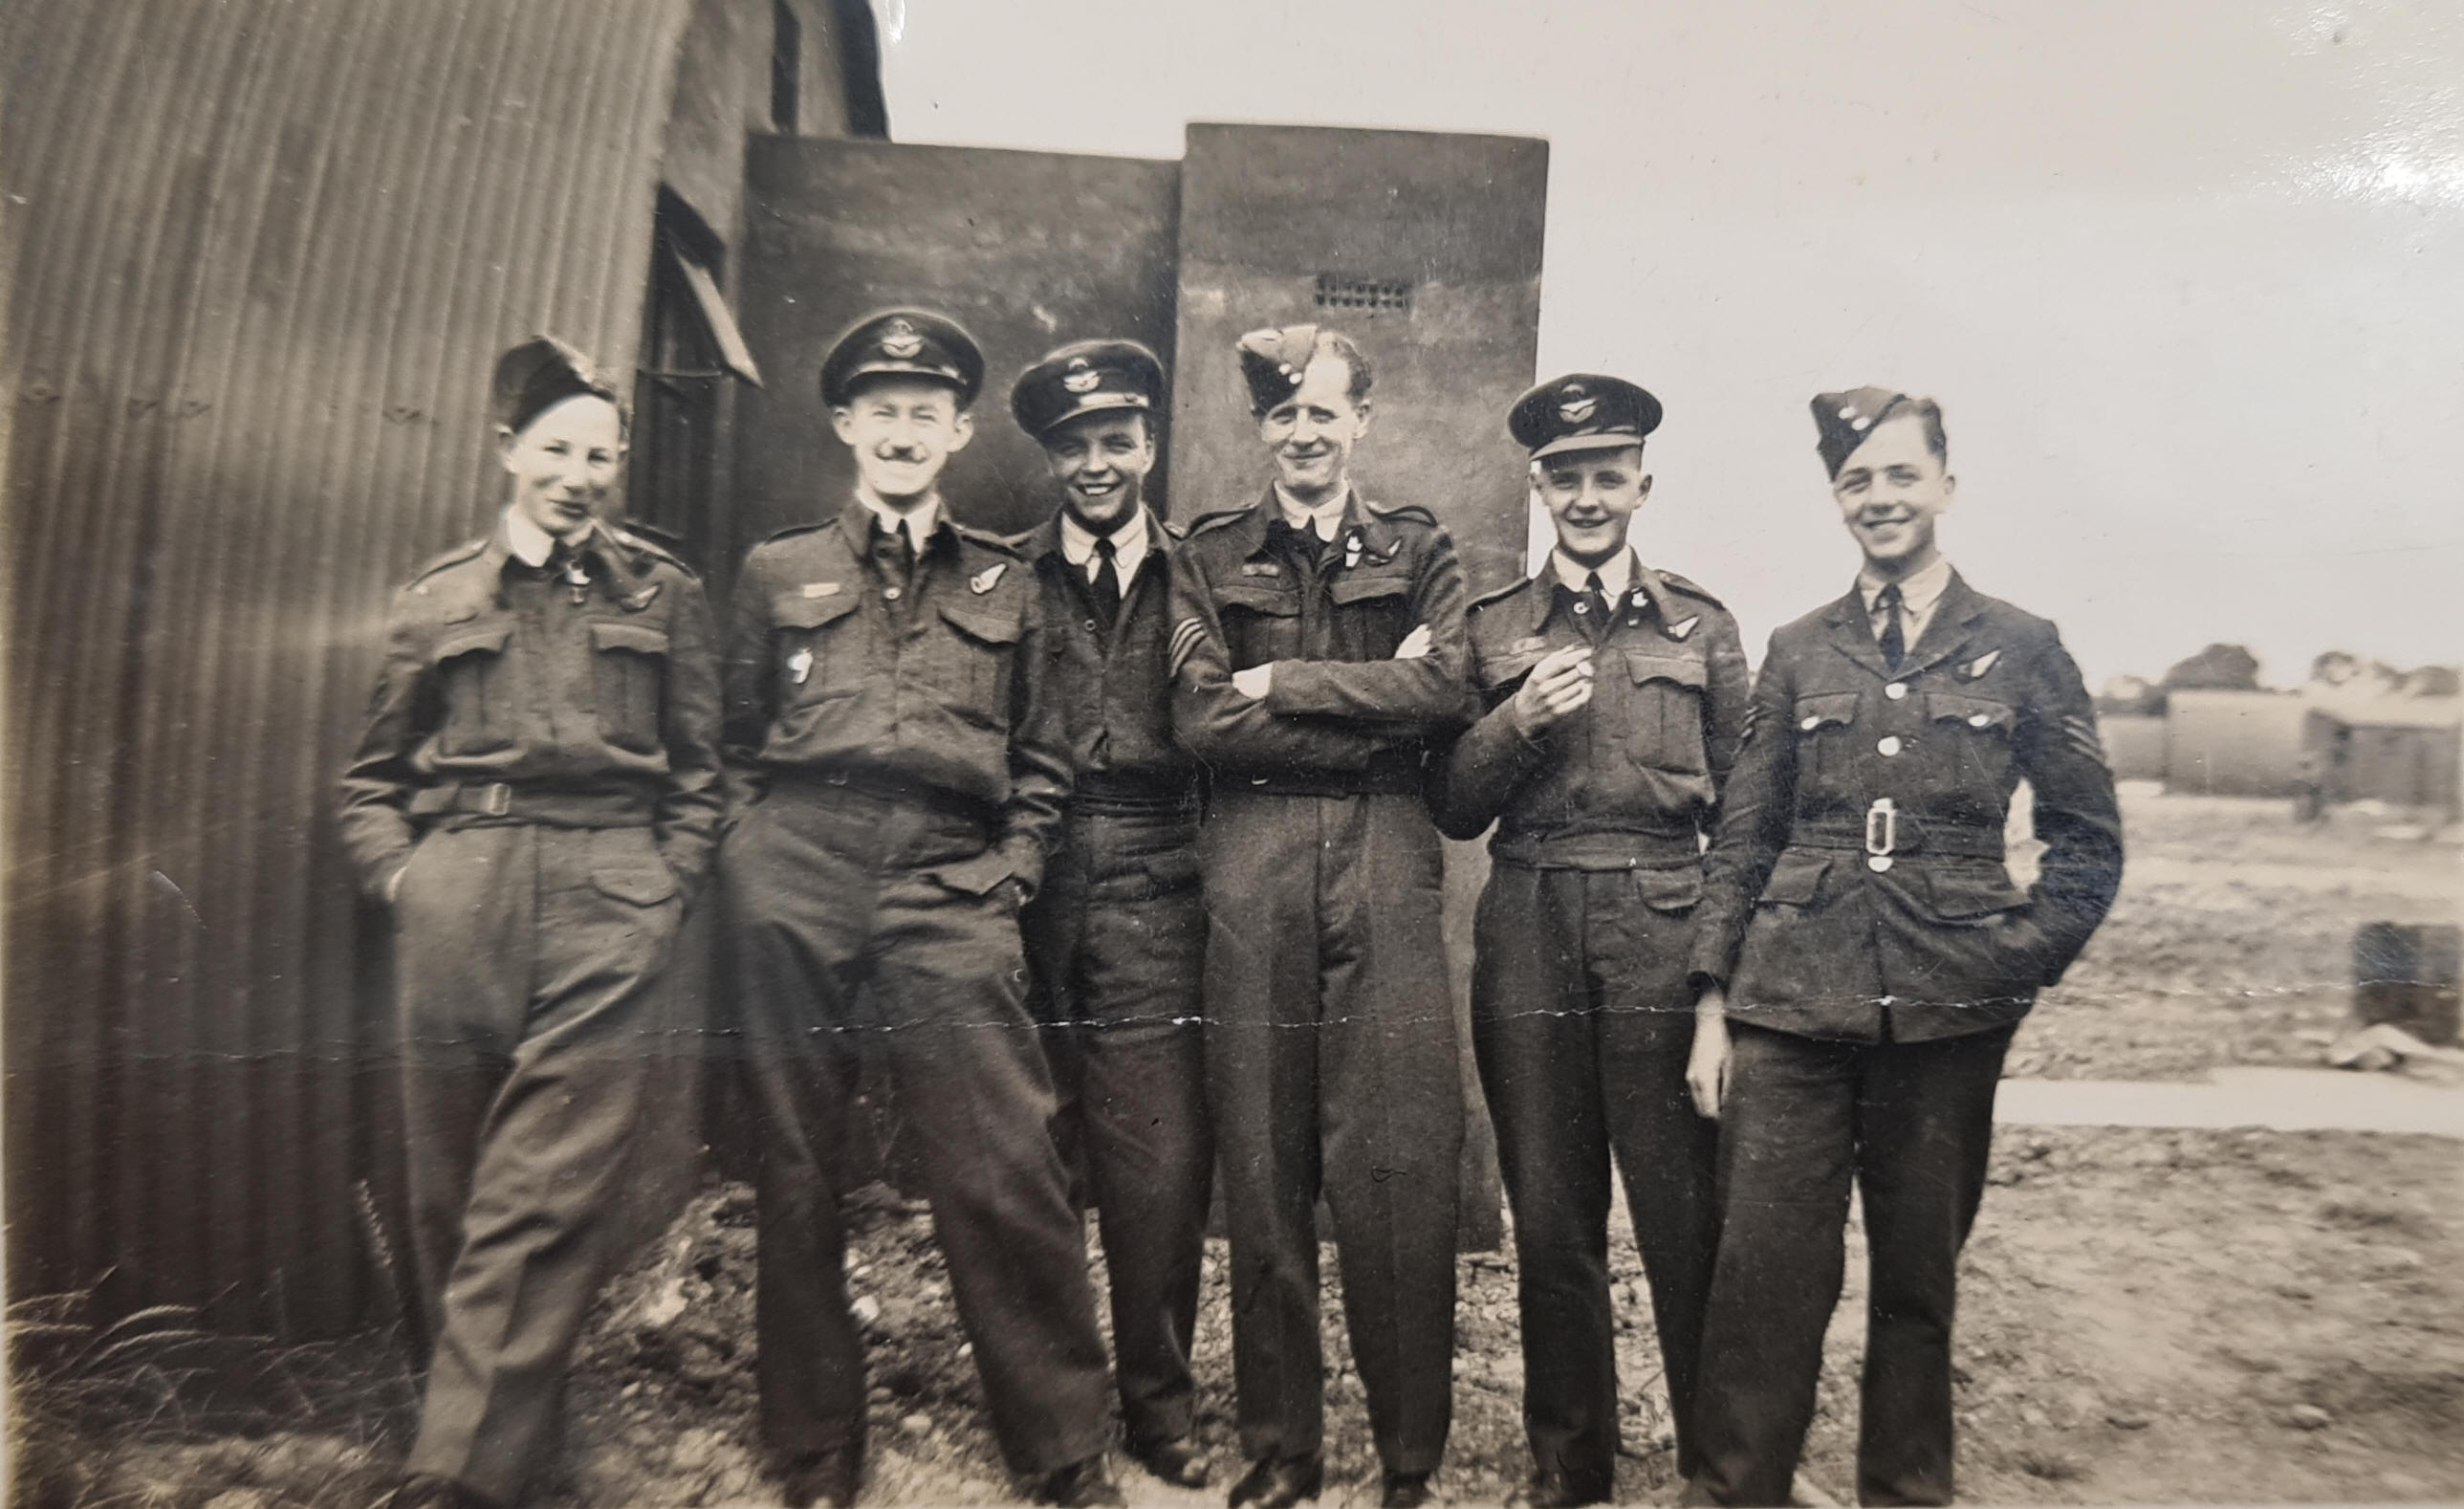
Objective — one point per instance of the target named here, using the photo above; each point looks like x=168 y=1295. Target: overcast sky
x=2187 y=277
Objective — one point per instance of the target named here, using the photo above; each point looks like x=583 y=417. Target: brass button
x=1877 y=863
x=1811 y=725
x=1889 y=744
x=1896 y=690
x=1978 y=719
x=890 y=592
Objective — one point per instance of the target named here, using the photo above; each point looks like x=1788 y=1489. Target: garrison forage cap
x=1085 y=377
x=541 y=373
x=1582 y=411
x=903 y=343
x=1274 y=361
x=1846 y=419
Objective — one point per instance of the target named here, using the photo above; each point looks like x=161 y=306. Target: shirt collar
x=1324 y=520
x=530 y=544
x=1129 y=540
x=1617 y=574
x=1918 y=591
x=919 y=522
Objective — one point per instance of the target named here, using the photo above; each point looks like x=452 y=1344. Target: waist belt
x=1323 y=783
x=1886 y=832
x=1596 y=850
x=1103 y=794
x=554 y=806
x=874 y=785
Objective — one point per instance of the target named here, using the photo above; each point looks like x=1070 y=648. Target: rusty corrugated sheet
x=261 y=254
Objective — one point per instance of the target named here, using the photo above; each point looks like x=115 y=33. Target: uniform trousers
x=1114 y=940
x=849 y=941
x=1912 y=1124
x=534 y=970
x=1332 y=1066
x=1583 y=1023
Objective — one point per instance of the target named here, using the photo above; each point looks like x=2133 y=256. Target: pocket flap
x=641 y=887
x=1684 y=670
x=1504 y=670
x=977 y=875
x=1976 y=712
x=1961 y=898
x=1823 y=709
x=1350 y=588
x=639 y=638
x=795 y=611
x=989 y=625
x=1669 y=890
x=484 y=639
x=1797 y=878
x=1275 y=602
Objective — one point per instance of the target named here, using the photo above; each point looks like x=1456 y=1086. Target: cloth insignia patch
x=1528 y=642
x=821 y=589
x=2081 y=737
x=1186 y=636
x=1753 y=717
x=1683 y=627
x=983 y=580
x=1983 y=663
x=1261 y=569
x=641 y=599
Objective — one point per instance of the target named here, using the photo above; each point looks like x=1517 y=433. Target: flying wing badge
x=1683 y=627
x=639 y=600
x=821 y=589
x=983 y=581
x=1983 y=663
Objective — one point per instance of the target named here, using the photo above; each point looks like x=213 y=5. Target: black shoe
x=1080 y=1485
x=1405 y=1490
x=1554 y=1490
x=1280 y=1483
x=1176 y=1460
x=427 y=1491
x=833 y=1476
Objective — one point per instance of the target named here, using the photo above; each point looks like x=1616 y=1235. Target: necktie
x=1895 y=637
x=1106 y=588
x=1595 y=593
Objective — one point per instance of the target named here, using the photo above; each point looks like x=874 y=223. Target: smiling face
x=564 y=462
x=1891 y=490
x=1311 y=433
x=902 y=430
x=1101 y=461
x=1590 y=497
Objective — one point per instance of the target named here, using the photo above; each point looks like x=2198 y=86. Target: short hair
x=1355 y=362
x=1930 y=413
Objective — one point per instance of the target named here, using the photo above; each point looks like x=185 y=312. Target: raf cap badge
x=901 y=341
x=1085 y=377
x=1582 y=411
x=906 y=343
x=1842 y=421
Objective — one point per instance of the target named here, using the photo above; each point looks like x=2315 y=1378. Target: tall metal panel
x=262 y=254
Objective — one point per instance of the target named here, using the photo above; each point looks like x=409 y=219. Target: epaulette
x=1176 y=529
x=804 y=528
x=987 y=538
x=1412 y=511
x=1216 y=521
x=633 y=537
x=1498 y=596
x=1689 y=589
x=1017 y=543
x=454 y=557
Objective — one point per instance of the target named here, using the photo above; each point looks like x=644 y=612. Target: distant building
x=2397 y=749
x=2232 y=742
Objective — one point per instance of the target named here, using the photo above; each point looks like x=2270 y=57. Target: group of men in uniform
x=1116 y=849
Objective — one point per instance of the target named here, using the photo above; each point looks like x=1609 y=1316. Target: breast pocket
x=975 y=659
x=631 y=666
x=813 y=653
x=1261 y=622
x=1821 y=722
x=1974 y=731
x=476 y=686
x=1377 y=606
x=1665 y=731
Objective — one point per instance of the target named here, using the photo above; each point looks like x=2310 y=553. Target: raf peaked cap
x=1582 y=411
x=1083 y=378
x=1843 y=420
x=1273 y=362
x=903 y=343
x=538 y=374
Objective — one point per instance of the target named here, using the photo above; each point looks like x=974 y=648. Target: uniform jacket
x=1631 y=779
x=1329 y=619
x=942 y=692
x=493 y=673
x=1113 y=685
x=1816 y=934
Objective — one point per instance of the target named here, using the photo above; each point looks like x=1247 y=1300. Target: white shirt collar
x=531 y=544
x=1323 y=521
x=1617 y=574
x=1128 y=544
x=919 y=522
x=1918 y=591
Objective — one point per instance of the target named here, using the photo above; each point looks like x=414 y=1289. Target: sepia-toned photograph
x=941 y=752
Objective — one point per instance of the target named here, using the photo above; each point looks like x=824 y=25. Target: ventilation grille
x=1376 y=295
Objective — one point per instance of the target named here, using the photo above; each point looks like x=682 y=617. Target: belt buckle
x=497 y=799
x=1881 y=833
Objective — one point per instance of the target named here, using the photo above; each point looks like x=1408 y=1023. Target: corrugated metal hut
x=261 y=254
x=2400 y=749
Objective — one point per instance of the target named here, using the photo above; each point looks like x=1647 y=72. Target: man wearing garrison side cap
x=1318 y=655
x=534 y=798
x=1863 y=958
x=898 y=771
x=1115 y=936
x=1615 y=693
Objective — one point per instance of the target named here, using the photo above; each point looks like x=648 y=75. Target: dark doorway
x=683 y=401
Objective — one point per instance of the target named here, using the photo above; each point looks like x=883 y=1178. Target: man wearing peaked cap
x=1862 y=960
x=534 y=798
x=899 y=769
x=1115 y=935
x=1318 y=658
x=1615 y=693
